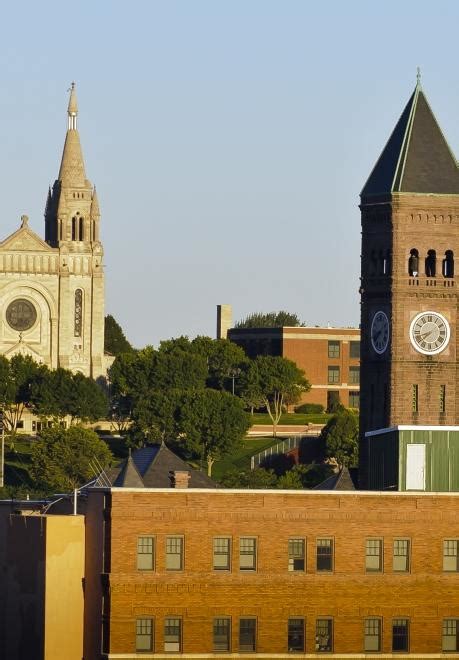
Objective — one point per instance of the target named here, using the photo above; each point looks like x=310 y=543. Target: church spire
x=72 y=172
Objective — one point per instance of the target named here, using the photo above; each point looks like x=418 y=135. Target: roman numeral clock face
x=379 y=332
x=429 y=333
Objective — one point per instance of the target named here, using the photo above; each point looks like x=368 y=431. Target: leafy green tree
x=16 y=379
x=155 y=418
x=277 y=382
x=225 y=360
x=340 y=437
x=178 y=369
x=87 y=401
x=270 y=320
x=61 y=458
x=212 y=424
x=115 y=341
x=257 y=479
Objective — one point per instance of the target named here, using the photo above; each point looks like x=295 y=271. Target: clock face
x=380 y=332
x=429 y=333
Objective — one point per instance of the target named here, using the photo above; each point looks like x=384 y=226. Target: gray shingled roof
x=340 y=481
x=416 y=158
x=152 y=465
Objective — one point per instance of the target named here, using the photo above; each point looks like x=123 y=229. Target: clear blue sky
x=229 y=141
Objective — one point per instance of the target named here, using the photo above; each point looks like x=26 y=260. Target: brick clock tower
x=409 y=414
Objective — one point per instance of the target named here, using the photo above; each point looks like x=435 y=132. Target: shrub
x=310 y=409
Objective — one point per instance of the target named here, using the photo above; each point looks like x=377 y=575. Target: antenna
x=99 y=473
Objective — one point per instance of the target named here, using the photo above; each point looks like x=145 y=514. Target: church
x=52 y=290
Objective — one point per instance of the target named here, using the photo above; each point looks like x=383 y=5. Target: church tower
x=52 y=291
x=409 y=413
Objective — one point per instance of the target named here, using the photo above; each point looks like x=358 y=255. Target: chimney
x=224 y=320
x=179 y=478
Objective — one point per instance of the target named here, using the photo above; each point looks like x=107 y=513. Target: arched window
x=74 y=228
x=448 y=264
x=93 y=230
x=81 y=229
x=78 y=312
x=413 y=263
x=431 y=263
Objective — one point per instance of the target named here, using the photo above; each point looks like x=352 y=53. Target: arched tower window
x=448 y=264
x=78 y=313
x=413 y=263
x=431 y=263
x=93 y=230
x=74 y=228
x=81 y=229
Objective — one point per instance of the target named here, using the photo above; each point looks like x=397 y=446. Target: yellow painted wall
x=64 y=598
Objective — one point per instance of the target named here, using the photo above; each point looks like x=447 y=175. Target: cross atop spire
x=72 y=110
x=418 y=76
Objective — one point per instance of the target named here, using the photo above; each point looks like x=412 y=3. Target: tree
x=259 y=478
x=155 y=418
x=115 y=341
x=225 y=360
x=340 y=438
x=270 y=320
x=61 y=458
x=211 y=423
x=276 y=381
x=16 y=379
x=57 y=393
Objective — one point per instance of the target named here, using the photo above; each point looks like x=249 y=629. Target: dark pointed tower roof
x=417 y=157
x=129 y=476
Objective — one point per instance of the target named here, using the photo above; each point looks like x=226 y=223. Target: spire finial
x=72 y=110
x=418 y=76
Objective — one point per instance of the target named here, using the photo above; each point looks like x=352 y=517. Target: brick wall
x=198 y=594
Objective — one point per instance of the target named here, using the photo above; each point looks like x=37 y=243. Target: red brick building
x=330 y=358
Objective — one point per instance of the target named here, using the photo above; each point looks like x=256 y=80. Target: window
x=78 y=312
x=354 y=399
x=333 y=349
x=174 y=553
x=413 y=263
x=324 y=554
x=449 y=635
x=354 y=375
x=173 y=635
x=414 y=398
x=442 y=398
x=247 y=554
x=295 y=639
x=354 y=350
x=247 y=635
x=296 y=555
x=431 y=263
x=401 y=557
x=145 y=553
x=372 y=635
x=450 y=563
x=222 y=554
x=81 y=229
x=222 y=634
x=333 y=375
x=324 y=635
x=448 y=264
x=74 y=229
x=374 y=556
x=144 y=635
x=400 y=635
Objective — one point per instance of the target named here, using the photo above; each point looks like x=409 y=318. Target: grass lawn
x=291 y=418
x=241 y=458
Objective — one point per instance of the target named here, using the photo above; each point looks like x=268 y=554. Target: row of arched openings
x=430 y=263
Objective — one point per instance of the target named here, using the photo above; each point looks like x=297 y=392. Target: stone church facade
x=52 y=290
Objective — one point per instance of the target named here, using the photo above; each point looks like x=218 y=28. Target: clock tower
x=409 y=414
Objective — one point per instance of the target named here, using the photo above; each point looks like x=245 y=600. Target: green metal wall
x=387 y=459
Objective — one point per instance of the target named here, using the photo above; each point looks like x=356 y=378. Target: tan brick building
x=330 y=358
x=52 y=291
x=204 y=573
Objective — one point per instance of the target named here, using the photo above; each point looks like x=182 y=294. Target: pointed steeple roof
x=95 y=211
x=129 y=476
x=72 y=172
x=417 y=157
